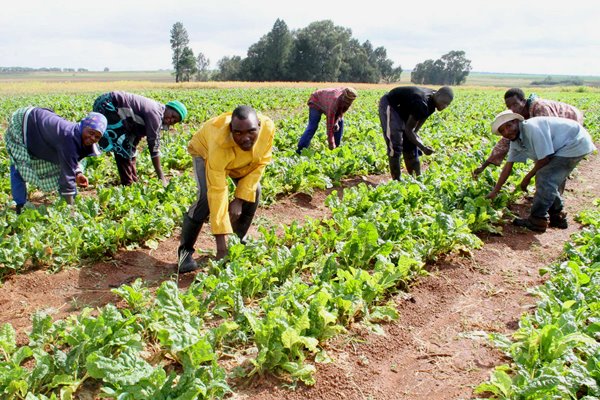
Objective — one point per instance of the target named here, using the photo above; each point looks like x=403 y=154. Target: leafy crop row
x=276 y=300
x=106 y=218
x=555 y=352
x=273 y=303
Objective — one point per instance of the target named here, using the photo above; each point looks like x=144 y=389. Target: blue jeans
x=548 y=183
x=18 y=187
x=314 y=117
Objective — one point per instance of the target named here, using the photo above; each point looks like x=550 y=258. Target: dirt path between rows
x=436 y=350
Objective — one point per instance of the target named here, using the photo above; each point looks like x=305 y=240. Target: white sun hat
x=504 y=117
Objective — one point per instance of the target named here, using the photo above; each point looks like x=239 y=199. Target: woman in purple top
x=45 y=149
x=130 y=118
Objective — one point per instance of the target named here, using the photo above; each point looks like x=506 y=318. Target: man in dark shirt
x=402 y=112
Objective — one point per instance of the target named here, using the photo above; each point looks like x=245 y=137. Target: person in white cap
x=531 y=107
x=556 y=145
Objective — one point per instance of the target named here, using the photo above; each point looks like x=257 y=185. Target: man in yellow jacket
x=237 y=145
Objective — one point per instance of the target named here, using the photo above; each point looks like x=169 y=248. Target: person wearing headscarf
x=402 y=112
x=130 y=118
x=333 y=103
x=45 y=149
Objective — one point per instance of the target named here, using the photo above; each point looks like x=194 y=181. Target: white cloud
x=534 y=36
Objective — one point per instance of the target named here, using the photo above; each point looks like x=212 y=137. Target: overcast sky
x=528 y=36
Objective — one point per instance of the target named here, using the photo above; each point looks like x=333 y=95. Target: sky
x=530 y=36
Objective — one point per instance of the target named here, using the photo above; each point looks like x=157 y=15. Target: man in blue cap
x=130 y=118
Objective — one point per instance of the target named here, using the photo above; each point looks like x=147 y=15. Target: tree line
x=320 y=52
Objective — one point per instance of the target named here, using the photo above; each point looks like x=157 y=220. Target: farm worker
x=131 y=117
x=236 y=145
x=532 y=107
x=402 y=112
x=333 y=103
x=45 y=149
x=556 y=145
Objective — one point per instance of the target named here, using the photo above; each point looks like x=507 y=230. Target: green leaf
x=502 y=381
x=289 y=338
x=151 y=244
x=7 y=339
x=125 y=369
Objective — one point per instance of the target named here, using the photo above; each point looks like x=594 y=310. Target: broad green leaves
x=555 y=351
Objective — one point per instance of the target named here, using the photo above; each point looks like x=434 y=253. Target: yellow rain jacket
x=223 y=157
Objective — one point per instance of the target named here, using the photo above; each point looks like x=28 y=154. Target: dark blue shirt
x=142 y=117
x=54 y=139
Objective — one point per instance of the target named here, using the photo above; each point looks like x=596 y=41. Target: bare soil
x=436 y=350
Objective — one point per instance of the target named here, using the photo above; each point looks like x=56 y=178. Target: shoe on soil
x=186 y=262
x=558 y=221
x=533 y=224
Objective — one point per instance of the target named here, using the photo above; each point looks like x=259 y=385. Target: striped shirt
x=327 y=101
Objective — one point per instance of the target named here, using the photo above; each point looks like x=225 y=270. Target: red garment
x=327 y=101
x=538 y=108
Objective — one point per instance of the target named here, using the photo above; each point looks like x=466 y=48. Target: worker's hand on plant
x=478 y=171
x=524 y=183
x=492 y=195
x=427 y=150
x=81 y=180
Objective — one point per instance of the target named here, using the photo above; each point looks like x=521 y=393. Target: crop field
x=273 y=305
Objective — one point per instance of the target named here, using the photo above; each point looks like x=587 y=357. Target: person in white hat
x=556 y=145
x=531 y=107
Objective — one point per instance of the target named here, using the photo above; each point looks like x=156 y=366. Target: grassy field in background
x=166 y=79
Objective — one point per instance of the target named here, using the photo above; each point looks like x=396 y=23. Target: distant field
x=45 y=82
x=153 y=76
x=517 y=80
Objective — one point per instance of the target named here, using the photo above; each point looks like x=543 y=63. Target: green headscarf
x=179 y=107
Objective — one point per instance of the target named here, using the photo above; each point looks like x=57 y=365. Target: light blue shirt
x=546 y=136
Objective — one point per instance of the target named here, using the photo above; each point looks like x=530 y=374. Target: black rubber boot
x=394 y=162
x=19 y=208
x=559 y=220
x=532 y=223
x=413 y=166
x=185 y=252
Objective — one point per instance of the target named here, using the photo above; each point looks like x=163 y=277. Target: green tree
x=451 y=69
x=385 y=66
x=321 y=52
x=229 y=68
x=267 y=59
x=202 y=64
x=356 y=66
x=457 y=67
x=318 y=52
x=187 y=64
x=179 y=41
